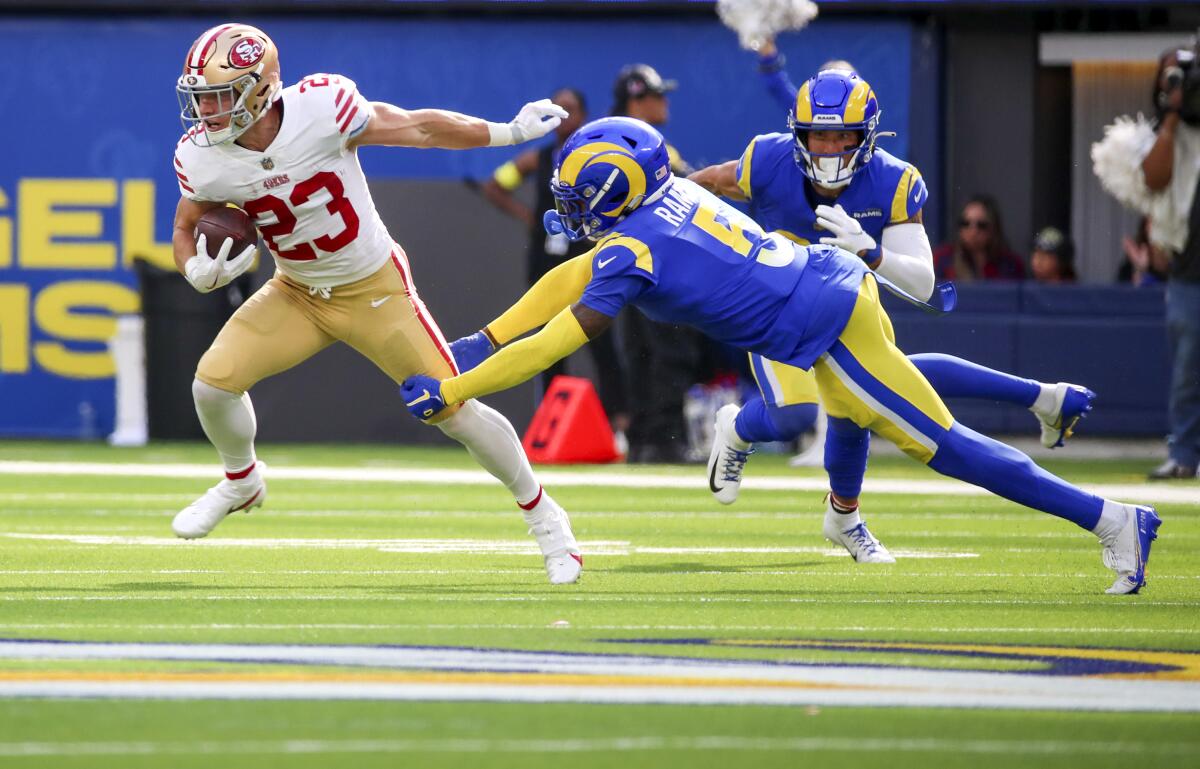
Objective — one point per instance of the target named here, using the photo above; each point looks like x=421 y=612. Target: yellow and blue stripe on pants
x=865 y=378
x=783 y=385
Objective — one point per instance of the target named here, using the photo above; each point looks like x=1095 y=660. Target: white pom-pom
x=1117 y=161
x=756 y=21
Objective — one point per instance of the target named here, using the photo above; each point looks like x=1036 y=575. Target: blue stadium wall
x=87 y=182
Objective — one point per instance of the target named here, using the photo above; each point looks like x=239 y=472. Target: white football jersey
x=306 y=192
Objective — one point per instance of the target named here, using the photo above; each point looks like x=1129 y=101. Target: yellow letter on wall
x=14 y=329
x=137 y=226
x=54 y=313
x=5 y=234
x=40 y=224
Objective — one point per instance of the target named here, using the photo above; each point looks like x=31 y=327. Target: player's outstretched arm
x=556 y=290
x=720 y=180
x=520 y=361
x=391 y=126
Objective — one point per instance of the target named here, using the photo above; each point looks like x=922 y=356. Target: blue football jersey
x=691 y=258
x=886 y=191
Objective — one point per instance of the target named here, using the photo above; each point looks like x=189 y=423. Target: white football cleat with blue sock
x=728 y=456
x=1071 y=403
x=850 y=531
x=1129 y=551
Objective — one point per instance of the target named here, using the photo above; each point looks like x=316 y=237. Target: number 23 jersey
x=306 y=192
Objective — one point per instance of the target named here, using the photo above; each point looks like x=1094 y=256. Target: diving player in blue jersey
x=681 y=255
x=825 y=181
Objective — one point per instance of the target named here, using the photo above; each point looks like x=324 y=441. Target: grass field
x=681 y=601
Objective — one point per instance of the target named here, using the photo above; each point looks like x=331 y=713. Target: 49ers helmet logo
x=246 y=53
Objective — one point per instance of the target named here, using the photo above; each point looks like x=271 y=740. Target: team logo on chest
x=868 y=213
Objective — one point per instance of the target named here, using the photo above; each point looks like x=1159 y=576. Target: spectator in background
x=1146 y=263
x=1153 y=167
x=640 y=92
x=1053 y=258
x=663 y=360
x=981 y=251
x=547 y=251
x=1170 y=169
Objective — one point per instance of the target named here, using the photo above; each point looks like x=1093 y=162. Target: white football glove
x=535 y=120
x=208 y=274
x=846 y=232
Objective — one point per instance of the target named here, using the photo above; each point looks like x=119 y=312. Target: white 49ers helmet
x=229 y=80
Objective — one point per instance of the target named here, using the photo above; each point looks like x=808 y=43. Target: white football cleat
x=1071 y=403
x=850 y=531
x=549 y=524
x=1129 y=551
x=202 y=516
x=728 y=456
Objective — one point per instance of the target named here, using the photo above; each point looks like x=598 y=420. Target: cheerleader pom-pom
x=756 y=21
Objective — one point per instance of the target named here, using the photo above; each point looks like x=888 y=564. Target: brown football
x=226 y=222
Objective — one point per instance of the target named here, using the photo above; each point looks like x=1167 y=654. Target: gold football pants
x=283 y=324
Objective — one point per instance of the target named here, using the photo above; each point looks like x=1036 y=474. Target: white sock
x=491 y=440
x=1113 y=517
x=1044 y=402
x=846 y=518
x=228 y=421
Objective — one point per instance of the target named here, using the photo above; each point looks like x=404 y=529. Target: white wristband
x=500 y=134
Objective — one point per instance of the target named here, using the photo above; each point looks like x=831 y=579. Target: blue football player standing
x=681 y=255
x=825 y=181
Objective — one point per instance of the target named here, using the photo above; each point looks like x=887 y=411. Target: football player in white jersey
x=287 y=156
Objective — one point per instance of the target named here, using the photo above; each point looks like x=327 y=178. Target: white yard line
x=450 y=546
x=741 y=571
x=1139 y=492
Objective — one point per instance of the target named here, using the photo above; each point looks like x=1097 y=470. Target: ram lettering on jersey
x=867 y=214
x=674 y=206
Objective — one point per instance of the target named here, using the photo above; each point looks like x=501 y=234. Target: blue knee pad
x=969 y=456
x=846 y=448
x=759 y=423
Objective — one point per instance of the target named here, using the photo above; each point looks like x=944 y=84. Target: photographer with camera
x=1163 y=185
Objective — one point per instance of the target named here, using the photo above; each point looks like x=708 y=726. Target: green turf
x=1025 y=578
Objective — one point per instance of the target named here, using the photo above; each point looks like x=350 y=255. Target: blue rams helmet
x=834 y=100
x=605 y=170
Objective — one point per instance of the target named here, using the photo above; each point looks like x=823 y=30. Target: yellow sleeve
x=559 y=288
x=743 y=169
x=508 y=176
x=519 y=361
